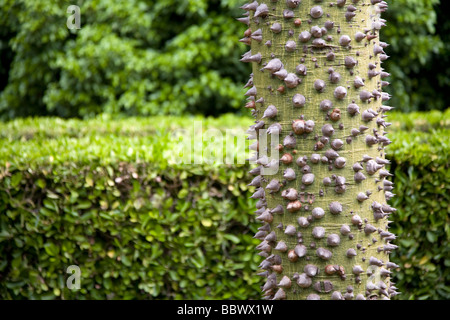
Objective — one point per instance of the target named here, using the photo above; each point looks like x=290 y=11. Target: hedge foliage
x=105 y=195
x=156 y=57
x=420 y=163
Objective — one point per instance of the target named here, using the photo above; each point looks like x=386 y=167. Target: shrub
x=106 y=196
x=421 y=168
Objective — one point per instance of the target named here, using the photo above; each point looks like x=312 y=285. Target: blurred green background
x=171 y=57
x=96 y=188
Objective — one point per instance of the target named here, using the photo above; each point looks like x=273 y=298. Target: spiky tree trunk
x=317 y=79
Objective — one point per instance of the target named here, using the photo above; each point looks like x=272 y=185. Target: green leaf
x=51 y=249
x=431 y=236
x=232 y=238
x=16 y=179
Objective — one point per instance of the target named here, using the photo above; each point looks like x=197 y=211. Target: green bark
x=343 y=50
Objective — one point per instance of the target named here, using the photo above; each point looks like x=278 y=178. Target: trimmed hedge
x=422 y=187
x=105 y=195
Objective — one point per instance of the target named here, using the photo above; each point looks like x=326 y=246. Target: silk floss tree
x=316 y=84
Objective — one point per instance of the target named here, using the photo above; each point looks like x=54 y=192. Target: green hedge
x=422 y=184
x=105 y=195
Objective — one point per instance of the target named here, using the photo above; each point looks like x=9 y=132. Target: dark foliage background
x=143 y=57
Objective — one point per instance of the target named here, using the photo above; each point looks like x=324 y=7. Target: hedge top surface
x=50 y=141
x=38 y=141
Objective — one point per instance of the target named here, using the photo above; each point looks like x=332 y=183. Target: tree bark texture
x=317 y=79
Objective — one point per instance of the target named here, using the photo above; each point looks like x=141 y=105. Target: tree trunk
x=317 y=76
